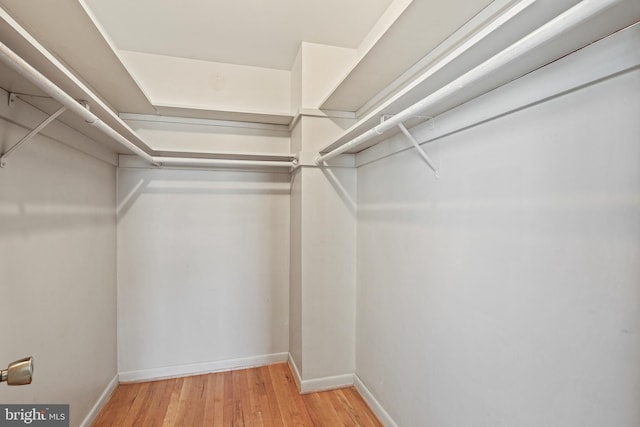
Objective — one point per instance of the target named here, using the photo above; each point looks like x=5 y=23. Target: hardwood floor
x=257 y=397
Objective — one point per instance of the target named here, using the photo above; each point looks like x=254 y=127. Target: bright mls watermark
x=34 y=415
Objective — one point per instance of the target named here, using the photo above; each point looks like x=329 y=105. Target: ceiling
x=85 y=44
x=92 y=38
x=261 y=33
x=97 y=38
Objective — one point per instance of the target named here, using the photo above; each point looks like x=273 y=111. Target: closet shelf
x=103 y=119
x=432 y=94
x=237 y=116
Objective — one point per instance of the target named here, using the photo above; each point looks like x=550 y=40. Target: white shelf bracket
x=12 y=99
x=418 y=147
x=34 y=132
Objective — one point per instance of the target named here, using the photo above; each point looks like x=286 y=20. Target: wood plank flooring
x=258 y=397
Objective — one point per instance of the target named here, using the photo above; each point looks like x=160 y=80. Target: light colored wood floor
x=258 y=397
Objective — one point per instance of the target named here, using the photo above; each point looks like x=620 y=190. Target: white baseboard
x=306 y=386
x=296 y=372
x=102 y=400
x=319 y=384
x=373 y=403
x=201 y=368
x=326 y=383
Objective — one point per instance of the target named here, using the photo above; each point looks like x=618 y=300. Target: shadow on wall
x=29 y=220
x=346 y=198
x=40 y=190
x=190 y=181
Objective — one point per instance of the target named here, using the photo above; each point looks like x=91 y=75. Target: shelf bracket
x=34 y=132
x=418 y=147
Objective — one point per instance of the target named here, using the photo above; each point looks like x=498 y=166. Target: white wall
x=296 y=82
x=295 y=272
x=58 y=264
x=506 y=293
x=322 y=69
x=328 y=247
x=323 y=247
x=203 y=264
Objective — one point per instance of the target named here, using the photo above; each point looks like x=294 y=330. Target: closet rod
x=574 y=16
x=204 y=162
x=25 y=69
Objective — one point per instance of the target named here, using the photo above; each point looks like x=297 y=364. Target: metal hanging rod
x=574 y=16
x=14 y=61
x=200 y=162
x=25 y=69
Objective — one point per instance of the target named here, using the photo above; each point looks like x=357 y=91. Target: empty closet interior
x=437 y=202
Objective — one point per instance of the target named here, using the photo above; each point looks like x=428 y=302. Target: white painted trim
x=134 y=162
x=296 y=373
x=198 y=111
x=314 y=112
x=326 y=383
x=102 y=400
x=308 y=159
x=373 y=37
x=111 y=44
x=203 y=122
x=608 y=57
x=473 y=31
x=318 y=384
x=202 y=368
x=376 y=407
x=382 y=26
